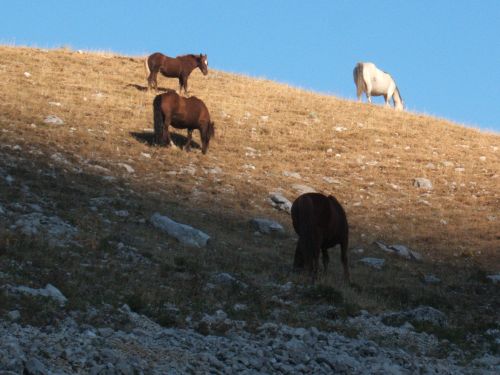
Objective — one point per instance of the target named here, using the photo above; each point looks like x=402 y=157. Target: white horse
x=374 y=82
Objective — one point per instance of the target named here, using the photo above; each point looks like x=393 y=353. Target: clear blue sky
x=444 y=55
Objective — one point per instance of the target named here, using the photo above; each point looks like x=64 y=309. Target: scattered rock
x=14 y=315
x=495 y=279
x=213 y=170
x=400 y=250
x=278 y=201
x=49 y=291
x=122 y=213
x=57 y=104
x=59 y=232
x=267 y=226
x=373 y=262
x=226 y=279
x=331 y=180
x=431 y=279
x=127 y=167
x=240 y=307
x=292 y=175
x=422 y=183
x=302 y=189
x=421 y=314
x=53 y=119
x=99 y=168
x=185 y=234
x=35 y=367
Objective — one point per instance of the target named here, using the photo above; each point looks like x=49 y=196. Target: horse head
x=202 y=63
x=399 y=103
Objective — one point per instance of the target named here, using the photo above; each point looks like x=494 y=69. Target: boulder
x=422 y=183
x=185 y=234
x=400 y=250
x=267 y=226
x=54 y=120
x=49 y=291
x=278 y=201
x=373 y=262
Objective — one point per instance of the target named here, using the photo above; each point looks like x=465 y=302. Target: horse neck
x=190 y=62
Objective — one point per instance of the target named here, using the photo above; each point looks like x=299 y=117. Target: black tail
x=159 y=119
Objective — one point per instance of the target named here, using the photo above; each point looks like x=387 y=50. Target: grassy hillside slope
x=266 y=133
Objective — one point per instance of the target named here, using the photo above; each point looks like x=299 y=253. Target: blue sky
x=444 y=55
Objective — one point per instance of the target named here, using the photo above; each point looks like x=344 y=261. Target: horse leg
x=368 y=92
x=181 y=84
x=166 y=135
x=343 y=257
x=298 y=259
x=326 y=259
x=188 y=143
x=390 y=94
x=315 y=264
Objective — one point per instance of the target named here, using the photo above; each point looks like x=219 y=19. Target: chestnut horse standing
x=321 y=223
x=182 y=113
x=178 y=67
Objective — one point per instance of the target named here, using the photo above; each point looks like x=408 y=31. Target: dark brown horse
x=321 y=223
x=179 y=67
x=182 y=113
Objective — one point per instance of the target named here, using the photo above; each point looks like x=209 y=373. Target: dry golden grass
x=372 y=153
x=374 y=157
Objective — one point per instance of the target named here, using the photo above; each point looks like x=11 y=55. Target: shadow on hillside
x=178 y=139
x=145 y=88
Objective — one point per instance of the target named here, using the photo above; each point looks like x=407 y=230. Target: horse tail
x=146 y=67
x=159 y=118
x=358 y=80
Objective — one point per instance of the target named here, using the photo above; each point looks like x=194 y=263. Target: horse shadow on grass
x=145 y=88
x=177 y=139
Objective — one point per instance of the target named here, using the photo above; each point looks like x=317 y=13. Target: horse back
x=185 y=112
x=321 y=217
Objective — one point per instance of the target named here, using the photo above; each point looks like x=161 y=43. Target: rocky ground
x=141 y=346
x=102 y=339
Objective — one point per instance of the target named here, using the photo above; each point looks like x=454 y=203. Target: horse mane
x=190 y=55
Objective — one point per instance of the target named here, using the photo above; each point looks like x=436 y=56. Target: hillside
x=99 y=174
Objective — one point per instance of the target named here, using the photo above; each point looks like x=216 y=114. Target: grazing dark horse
x=321 y=223
x=178 y=67
x=182 y=113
